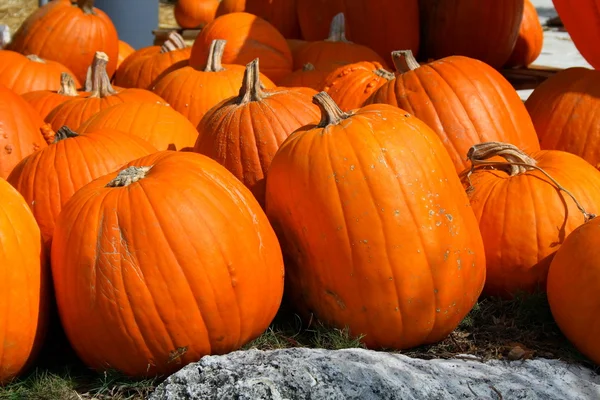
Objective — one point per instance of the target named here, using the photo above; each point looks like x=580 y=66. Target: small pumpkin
x=125 y=50
x=530 y=40
x=307 y=76
x=280 y=13
x=192 y=14
x=44 y=101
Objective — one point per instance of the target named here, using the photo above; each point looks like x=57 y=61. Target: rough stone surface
x=318 y=374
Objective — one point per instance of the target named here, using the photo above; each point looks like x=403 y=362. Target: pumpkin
x=68 y=34
x=573 y=286
x=23 y=285
x=24 y=74
x=158 y=124
x=382 y=25
x=191 y=14
x=377 y=186
x=230 y=6
x=486 y=31
x=243 y=133
x=581 y=22
x=335 y=51
x=125 y=50
x=193 y=91
x=148 y=64
x=102 y=95
x=307 y=76
x=351 y=85
x=253 y=37
x=23 y=130
x=564 y=109
x=280 y=13
x=48 y=178
x=464 y=100
x=225 y=280
x=530 y=40
x=526 y=206
x=44 y=101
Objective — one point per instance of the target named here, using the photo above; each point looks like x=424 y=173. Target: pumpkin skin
x=351 y=85
x=530 y=39
x=24 y=74
x=145 y=66
x=48 y=178
x=23 y=285
x=377 y=186
x=564 y=110
x=280 y=13
x=193 y=91
x=486 y=31
x=191 y=14
x=225 y=284
x=158 y=124
x=253 y=37
x=307 y=76
x=72 y=44
x=581 y=21
x=125 y=50
x=573 y=285
x=532 y=215
x=44 y=101
x=464 y=100
x=243 y=133
x=102 y=95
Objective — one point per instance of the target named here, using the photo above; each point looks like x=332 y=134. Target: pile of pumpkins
x=153 y=196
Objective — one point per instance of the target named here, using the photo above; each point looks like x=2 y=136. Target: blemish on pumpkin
x=8 y=148
x=337 y=298
x=396 y=212
x=449 y=216
x=446 y=255
x=177 y=354
x=352 y=168
x=459 y=264
x=435 y=291
x=439 y=223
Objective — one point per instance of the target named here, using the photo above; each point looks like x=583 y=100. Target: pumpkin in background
x=102 y=95
x=193 y=91
x=377 y=186
x=382 y=25
x=23 y=130
x=463 y=100
x=225 y=280
x=125 y=50
x=69 y=34
x=23 y=285
x=307 y=76
x=565 y=109
x=351 y=85
x=295 y=45
x=524 y=212
x=573 y=287
x=44 y=101
x=158 y=124
x=243 y=133
x=24 y=74
x=530 y=40
x=581 y=21
x=48 y=178
x=191 y=14
x=147 y=64
x=335 y=51
x=253 y=37
x=280 y=13
x=230 y=6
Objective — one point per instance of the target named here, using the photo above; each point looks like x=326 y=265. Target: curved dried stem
x=67 y=85
x=64 y=133
x=331 y=113
x=404 y=61
x=384 y=73
x=174 y=42
x=87 y=6
x=337 y=29
x=215 y=55
x=99 y=79
x=128 y=176
x=35 y=58
x=251 y=89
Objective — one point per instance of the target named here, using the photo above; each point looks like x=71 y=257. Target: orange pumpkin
x=243 y=133
x=23 y=285
x=147 y=64
x=158 y=124
x=102 y=95
x=44 y=101
x=530 y=40
x=48 y=178
x=253 y=37
x=280 y=13
x=225 y=280
x=193 y=91
x=68 y=34
x=307 y=76
x=573 y=287
x=191 y=14
x=464 y=100
x=377 y=186
x=125 y=50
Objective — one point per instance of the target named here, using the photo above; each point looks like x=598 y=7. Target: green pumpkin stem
x=64 y=133
x=215 y=54
x=404 y=61
x=251 y=89
x=174 y=42
x=99 y=80
x=128 y=176
x=337 y=29
x=67 y=85
x=87 y=6
x=331 y=113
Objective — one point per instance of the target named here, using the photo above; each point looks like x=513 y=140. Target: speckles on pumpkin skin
x=8 y=149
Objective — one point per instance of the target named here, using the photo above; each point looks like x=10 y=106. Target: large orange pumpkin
x=524 y=212
x=307 y=76
x=69 y=34
x=147 y=283
x=253 y=37
x=48 y=178
x=44 y=101
x=530 y=40
x=376 y=226
x=23 y=285
x=464 y=100
x=280 y=13
x=243 y=133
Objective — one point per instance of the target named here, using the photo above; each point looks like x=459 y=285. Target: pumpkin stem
x=87 y=87
x=99 y=81
x=87 y=6
x=174 y=42
x=128 y=176
x=337 y=29
x=384 y=73
x=517 y=162
x=251 y=89
x=64 y=133
x=404 y=61
x=308 y=67
x=67 y=85
x=35 y=58
x=215 y=55
x=331 y=113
